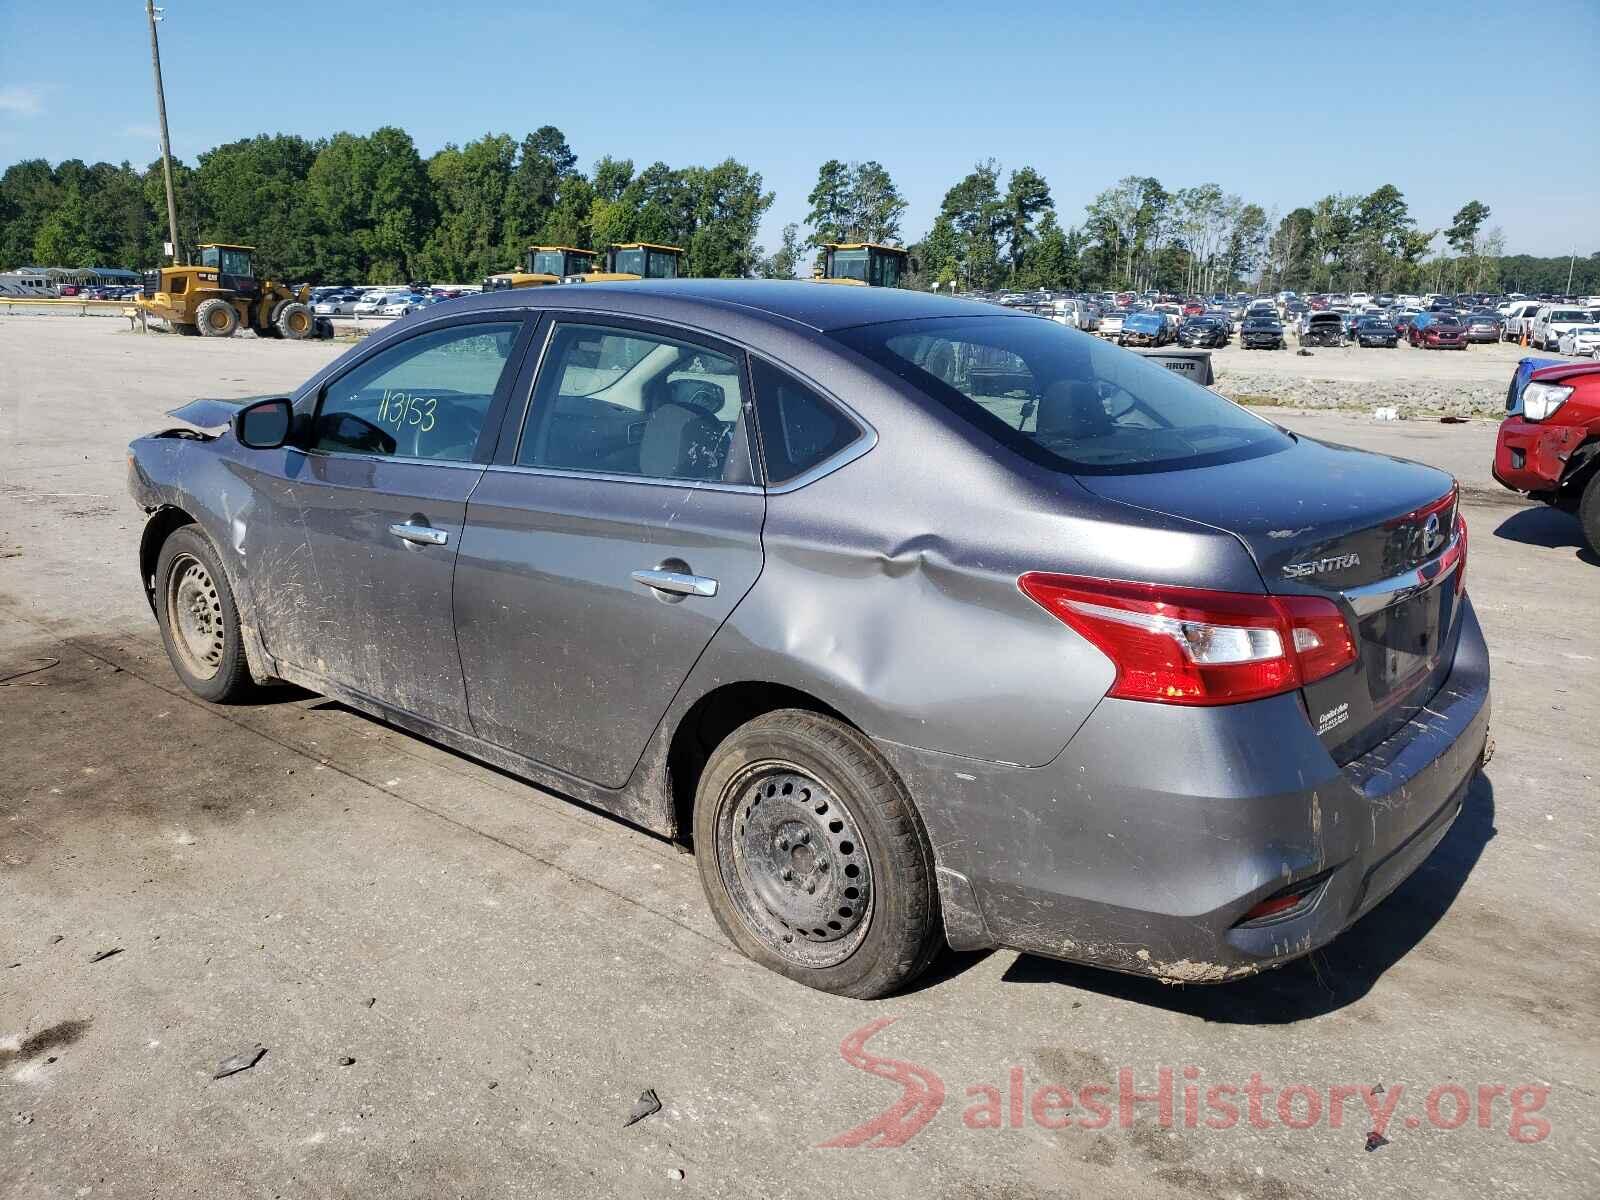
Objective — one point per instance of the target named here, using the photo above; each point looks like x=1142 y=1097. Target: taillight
x=1176 y=645
x=1461 y=555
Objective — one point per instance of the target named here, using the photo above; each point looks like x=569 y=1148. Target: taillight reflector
x=1176 y=645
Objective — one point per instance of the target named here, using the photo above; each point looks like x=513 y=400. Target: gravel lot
x=509 y=971
x=1459 y=382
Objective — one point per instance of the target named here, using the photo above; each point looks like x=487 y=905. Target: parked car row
x=379 y=301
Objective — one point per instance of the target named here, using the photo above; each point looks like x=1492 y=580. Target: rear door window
x=623 y=401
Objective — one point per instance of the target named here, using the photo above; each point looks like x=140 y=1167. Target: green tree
x=781 y=263
x=536 y=185
x=1027 y=198
x=876 y=205
x=469 y=186
x=372 y=198
x=830 y=201
x=975 y=212
x=65 y=237
x=728 y=205
x=253 y=191
x=1464 y=226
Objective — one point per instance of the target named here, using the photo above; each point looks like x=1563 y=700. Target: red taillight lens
x=1175 y=645
x=1461 y=552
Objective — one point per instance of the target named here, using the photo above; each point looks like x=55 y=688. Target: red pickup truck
x=1549 y=445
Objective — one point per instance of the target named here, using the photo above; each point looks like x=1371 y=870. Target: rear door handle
x=677 y=583
x=422 y=535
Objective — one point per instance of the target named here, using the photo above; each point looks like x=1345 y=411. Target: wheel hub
x=798 y=851
x=196 y=612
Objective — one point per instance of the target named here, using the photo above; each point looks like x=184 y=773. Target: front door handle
x=677 y=583
x=422 y=535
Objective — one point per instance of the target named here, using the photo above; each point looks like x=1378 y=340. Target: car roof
x=821 y=307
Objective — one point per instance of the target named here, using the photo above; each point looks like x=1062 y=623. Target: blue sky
x=1278 y=103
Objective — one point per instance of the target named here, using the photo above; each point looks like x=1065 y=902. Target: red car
x=1193 y=308
x=1439 y=333
x=1549 y=447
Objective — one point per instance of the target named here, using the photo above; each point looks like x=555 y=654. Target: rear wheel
x=812 y=856
x=199 y=620
x=294 y=321
x=216 y=318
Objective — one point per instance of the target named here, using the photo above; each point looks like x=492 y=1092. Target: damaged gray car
x=923 y=622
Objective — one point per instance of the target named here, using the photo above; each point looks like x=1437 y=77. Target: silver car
x=922 y=621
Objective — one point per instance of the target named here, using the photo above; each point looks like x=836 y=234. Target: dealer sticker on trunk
x=1333 y=717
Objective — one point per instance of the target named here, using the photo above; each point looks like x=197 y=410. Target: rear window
x=1063 y=399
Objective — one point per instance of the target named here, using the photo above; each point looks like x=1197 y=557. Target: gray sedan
x=922 y=621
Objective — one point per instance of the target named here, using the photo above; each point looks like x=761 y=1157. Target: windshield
x=548 y=262
x=1064 y=399
x=630 y=262
x=662 y=265
x=850 y=264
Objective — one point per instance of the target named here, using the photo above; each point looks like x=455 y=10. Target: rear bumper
x=1145 y=842
x=1530 y=456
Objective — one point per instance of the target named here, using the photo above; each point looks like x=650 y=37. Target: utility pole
x=166 y=143
x=1570 y=263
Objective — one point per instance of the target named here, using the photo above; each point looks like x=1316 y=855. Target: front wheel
x=812 y=856
x=1589 y=514
x=294 y=321
x=199 y=620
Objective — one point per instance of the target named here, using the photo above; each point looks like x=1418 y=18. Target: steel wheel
x=194 y=611
x=794 y=864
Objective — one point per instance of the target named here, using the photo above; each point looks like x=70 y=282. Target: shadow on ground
x=1547 y=527
x=1340 y=973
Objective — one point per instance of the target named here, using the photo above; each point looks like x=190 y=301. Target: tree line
x=371 y=208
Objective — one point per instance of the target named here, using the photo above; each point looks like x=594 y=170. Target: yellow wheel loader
x=637 y=260
x=221 y=294
x=543 y=266
x=860 y=264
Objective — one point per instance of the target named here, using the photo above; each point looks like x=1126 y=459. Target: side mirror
x=265 y=424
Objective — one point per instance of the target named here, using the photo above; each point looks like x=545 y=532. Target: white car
x=1551 y=321
x=335 y=308
x=1359 y=300
x=1517 y=319
x=1111 y=322
x=400 y=306
x=1581 y=342
x=372 y=303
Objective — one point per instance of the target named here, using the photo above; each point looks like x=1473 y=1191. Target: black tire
x=871 y=925
x=1589 y=514
x=189 y=573
x=216 y=318
x=183 y=330
x=294 y=321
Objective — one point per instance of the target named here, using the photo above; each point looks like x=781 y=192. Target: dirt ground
x=509 y=971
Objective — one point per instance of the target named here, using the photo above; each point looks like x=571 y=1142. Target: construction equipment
x=543 y=266
x=222 y=293
x=636 y=260
x=860 y=264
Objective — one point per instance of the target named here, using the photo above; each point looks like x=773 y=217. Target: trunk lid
x=1370 y=532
